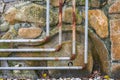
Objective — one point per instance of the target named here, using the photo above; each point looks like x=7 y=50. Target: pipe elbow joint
x=73 y=56
x=58 y=48
x=46 y=39
x=84 y=66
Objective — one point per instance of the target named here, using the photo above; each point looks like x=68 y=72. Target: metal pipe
x=86 y=33
x=47 y=18
x=22 y=40
x=34 y=58
x=60 y=22
x=74 y=31
x=28 y=50
x=41 y=68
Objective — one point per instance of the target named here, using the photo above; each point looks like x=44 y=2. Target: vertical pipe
x=74 y=29
x=86 y=33
x=60 y=22
x=47 y=17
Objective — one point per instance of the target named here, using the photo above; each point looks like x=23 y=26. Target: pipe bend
x=46 y=39
x=58 y=48
x=73 y=56
x=84 y=66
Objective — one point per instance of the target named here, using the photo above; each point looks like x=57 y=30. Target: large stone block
x=115 y=38
x=115 y=7
x=99 y=22
x=114 y=26
x=115 y=49
x=100 y=53
x=66 y=51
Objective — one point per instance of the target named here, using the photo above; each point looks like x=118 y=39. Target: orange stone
x=114 y=26
x=29 y=33
x=115 y=7
x=115 y=39
x=99 y=22
x=115 y=50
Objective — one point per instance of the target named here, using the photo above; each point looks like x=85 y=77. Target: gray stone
x=4 y=27
x=17 y=26
x=2 y=5
x=25 y=25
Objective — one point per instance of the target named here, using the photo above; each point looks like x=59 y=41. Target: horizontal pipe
x=34 y=58
x=29 y=50
x=41 y=68
x=21 y=40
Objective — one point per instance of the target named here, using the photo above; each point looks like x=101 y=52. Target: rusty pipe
x=73 y=31
x=60 y=22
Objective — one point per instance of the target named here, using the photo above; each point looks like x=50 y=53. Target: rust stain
x=56 y=59
x=60 y=13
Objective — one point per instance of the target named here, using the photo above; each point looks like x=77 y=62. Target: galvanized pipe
x=34 y=58
x=60 y=22
x=47 y=18
x=28 y=50
x=41 y=68
x=21 y=40
x=86 y=33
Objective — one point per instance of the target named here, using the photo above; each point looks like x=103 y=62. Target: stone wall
x=26 y=20
x=114 y=36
